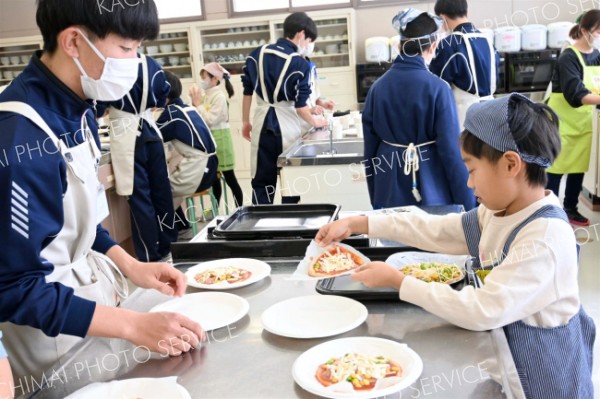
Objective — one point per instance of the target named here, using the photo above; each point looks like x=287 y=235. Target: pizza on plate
x=434 y=272
x=360 y=370
x=335 y=260
x=231 y=274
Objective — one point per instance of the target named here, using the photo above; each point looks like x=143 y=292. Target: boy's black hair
x=175 y=83
x=534 y=128
x=421 y=26
x=451 y=8
x=297 y=22
x=138 y=21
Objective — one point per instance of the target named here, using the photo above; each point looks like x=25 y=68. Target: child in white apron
x=519 y=234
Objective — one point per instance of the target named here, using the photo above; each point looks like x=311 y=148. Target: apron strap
x=28 y=112
x=471 y=60
x=261 y=69
x=185 y=111
x=472 y=231
x=411 y=163
x=106 y=266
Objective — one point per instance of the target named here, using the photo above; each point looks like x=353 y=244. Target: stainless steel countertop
x=457 y=362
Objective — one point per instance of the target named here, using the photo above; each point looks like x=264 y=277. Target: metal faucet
x=331 y=150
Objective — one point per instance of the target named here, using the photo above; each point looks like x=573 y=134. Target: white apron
x=289 y=122
x=463 y=98
x=190 y=171
x=124 y=130
x=92 y=275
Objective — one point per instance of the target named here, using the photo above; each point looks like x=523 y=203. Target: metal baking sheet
x=277 y=221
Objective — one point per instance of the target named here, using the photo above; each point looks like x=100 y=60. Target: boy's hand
x=164 y=332
x=160 y=276
x=379 y=274
x=247 y=131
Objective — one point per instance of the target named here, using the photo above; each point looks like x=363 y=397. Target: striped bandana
x=488 y=121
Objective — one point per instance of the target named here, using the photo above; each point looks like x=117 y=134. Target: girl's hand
x=379 y=274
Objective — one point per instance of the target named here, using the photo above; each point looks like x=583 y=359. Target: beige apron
x=463 y=98
x=124 y=130
x=289 y=122
x=186 y=178
x=92 y=275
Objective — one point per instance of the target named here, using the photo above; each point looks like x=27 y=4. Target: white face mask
x=596 y=42
x=118 y=77
x=205 y=84
x=310 y=47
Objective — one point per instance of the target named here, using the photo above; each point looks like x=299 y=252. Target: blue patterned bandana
x=406 y=16
x=488 y=121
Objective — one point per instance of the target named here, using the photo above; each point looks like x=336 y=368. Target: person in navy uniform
x=465 y=58
x=410 y=126
x=279 y=76
x=61 y=274
x=140 y=165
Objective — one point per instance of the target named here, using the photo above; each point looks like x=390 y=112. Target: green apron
x=224 y=149
x=575 y=125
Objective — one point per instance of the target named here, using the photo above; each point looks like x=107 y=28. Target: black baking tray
x=277 y=221
x=345 y=286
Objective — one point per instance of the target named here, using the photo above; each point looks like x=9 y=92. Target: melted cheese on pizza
x=358 y=366
x=337 y=261
x=220 y=274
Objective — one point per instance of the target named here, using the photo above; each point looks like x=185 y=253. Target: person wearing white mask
x=575 y=90
x=410 y=126
x=465 y=58
x=213 y=105
x=316 y=103
x=280 y=77
x=62 y=275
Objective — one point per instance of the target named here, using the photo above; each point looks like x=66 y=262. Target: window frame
x=201 y=17
x=290 y=8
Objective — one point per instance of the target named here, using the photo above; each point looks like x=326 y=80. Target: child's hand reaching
x=379 y=274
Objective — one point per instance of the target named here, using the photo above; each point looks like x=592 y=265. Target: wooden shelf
x=233 y=33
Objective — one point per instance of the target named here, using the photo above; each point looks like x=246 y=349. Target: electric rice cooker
x=558 y=34
x=507 y=39
x=534 y=37
x=377 y=49
x=394 y=43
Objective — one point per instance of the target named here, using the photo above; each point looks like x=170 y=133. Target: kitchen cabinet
x=333 y=45
x=229 y=46
x=173 y=50
x=15 y=55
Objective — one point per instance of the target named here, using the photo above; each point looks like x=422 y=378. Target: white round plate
x=211 y=309
x=314 y=316
x=258 y=269
x=306 y=366
x=156 y=388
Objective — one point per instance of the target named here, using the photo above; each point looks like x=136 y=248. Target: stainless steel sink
x=323 y=148
x=319 y=152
